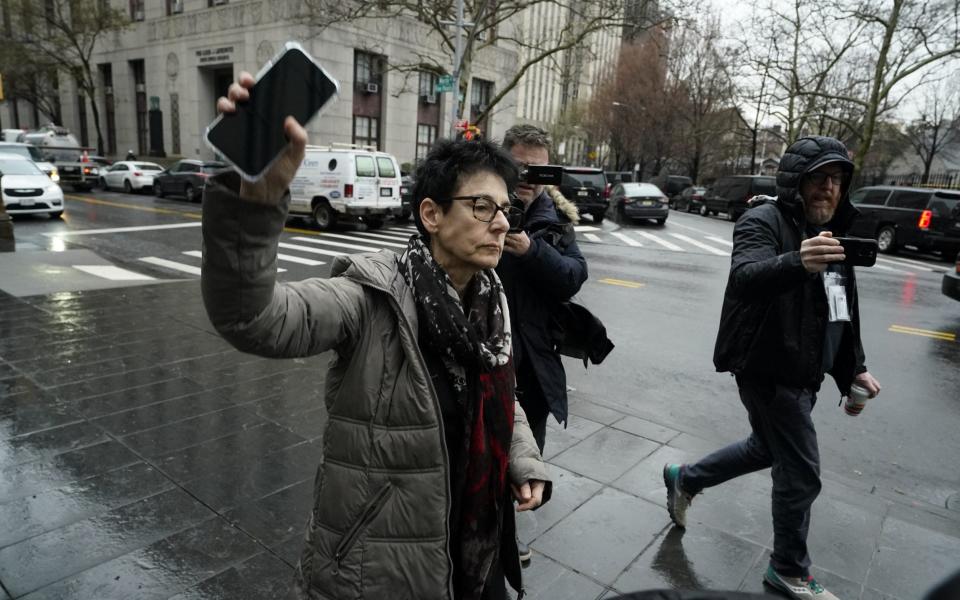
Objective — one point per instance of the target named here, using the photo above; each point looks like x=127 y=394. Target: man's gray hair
x=527 y=135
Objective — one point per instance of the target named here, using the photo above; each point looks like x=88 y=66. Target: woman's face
x=460 y=242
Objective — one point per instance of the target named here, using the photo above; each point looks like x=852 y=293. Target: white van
x=346 y=181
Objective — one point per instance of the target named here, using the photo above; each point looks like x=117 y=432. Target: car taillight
x=925 y=218
x=348 y=190
x=137 y=174
x=606 y=191
x=86 y=170
x=204 y=175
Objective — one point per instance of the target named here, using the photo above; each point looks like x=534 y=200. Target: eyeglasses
x=485 y=210
x=818 y=178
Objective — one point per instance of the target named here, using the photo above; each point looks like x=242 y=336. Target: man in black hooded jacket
x=790 y=315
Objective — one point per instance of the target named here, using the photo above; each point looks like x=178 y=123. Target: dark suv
x=927 y=219
x=672 y=185
x=730 y=194
x=587 y=188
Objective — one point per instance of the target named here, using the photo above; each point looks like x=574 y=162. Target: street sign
x=444 y=84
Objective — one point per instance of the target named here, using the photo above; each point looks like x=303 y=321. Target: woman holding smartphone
x=425 y=443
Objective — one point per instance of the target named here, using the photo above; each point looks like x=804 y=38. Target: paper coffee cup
x=856 y=400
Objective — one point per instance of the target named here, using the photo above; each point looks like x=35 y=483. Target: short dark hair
x=527 y=135
x=448 y=162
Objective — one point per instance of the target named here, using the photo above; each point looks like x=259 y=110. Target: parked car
x=690 y=199
x=671 y=185
x=951 y=281
x=406 y=197
x=31 y=153
x=185 y=178
x=729 y=195
x=130 y=175
x=346 y=181
x=26 y=189
x=587 y=188
x=927 y=219
x=631 y=201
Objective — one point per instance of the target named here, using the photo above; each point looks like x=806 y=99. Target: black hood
x=805 y=155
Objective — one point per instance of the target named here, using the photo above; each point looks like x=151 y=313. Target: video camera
x=541 y=174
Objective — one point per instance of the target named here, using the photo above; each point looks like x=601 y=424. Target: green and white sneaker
x=801 y=588
x=678 y=501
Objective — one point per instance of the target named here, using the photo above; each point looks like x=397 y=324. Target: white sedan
x=130 y=175
x=26 y=189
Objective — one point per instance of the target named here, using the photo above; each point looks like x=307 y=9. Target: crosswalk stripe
x=350 y=237
x=903 y=262
x=301 y=261
x=891 y=269
x=323 y=251
x=662 y=242
x=112 y=273
x=407 y=230
x=700 y=245
x=198 y=254
x=390 y=235
x=335 y=244
x=382 y=236
x=720 y=240
x=169 y=264
x=592 y=237
x=585 y=228
x=625 y=238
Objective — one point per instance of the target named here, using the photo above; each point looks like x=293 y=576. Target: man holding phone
x=790 y=316
x=541 y=267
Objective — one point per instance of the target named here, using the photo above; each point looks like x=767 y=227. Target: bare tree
x=840 y=67
x=62 y=35
x=938 y=127
x=637 y=110
x=701 y=69
x=494 y=23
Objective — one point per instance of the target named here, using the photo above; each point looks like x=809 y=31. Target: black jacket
x=774 y=312
x=551 y=271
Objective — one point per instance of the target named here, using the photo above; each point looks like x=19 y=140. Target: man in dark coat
x=541 y=267
x=790 y=315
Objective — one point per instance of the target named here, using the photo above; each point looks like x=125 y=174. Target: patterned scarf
x=474 y=345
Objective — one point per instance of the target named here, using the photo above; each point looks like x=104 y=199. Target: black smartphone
x=859 y=252
x=541 y=174
x=291 y=84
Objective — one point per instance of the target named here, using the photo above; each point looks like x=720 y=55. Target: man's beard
x=819 y=215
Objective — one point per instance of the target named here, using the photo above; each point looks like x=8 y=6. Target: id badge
x=835 y=286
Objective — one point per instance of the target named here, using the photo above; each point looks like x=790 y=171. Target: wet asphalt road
x=658 y=289
x=662 y=307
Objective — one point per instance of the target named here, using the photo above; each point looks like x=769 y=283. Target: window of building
x=428 y=84
x=174 y=7
x=366 y=131
x=480 y=96
x=137 y=11
x=367 y=68
x=140 y=100
x=426 y=136
x=211 y=3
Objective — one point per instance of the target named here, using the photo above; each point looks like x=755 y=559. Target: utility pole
x=457 y=60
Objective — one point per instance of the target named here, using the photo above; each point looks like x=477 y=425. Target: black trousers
x=784 y=439
x=531 y=399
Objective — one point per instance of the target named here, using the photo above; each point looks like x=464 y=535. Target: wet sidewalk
x=142 y=457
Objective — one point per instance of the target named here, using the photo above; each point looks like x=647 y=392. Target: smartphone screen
x=252 y=137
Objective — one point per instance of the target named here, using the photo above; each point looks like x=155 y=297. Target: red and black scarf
x=472 y=337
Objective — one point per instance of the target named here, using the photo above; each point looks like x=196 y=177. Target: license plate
x=386 y=192
x=647 y=203
x=70 y=169
x=583 y=193
x=26 y=202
